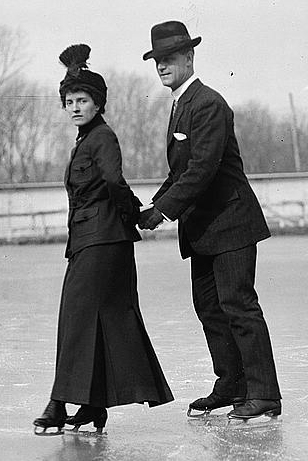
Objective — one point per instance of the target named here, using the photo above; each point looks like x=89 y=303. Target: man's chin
x=166 y=82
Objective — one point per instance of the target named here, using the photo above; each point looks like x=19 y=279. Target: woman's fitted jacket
x=102 y=207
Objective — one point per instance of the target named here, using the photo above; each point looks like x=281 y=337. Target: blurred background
x=254 y=53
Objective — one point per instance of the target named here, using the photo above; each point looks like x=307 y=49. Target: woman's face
x=80 y=107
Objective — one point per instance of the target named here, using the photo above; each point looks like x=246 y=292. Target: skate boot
x=54 y=416
x=88 y=414
x=206 y=404
x=253 y=408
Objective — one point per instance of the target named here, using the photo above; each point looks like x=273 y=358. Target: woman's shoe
x=54 y=416
x=88 y=414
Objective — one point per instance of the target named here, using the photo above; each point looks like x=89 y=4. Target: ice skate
x=54 y=416
x=254 y=408
x=205 y=405
x=86 y=415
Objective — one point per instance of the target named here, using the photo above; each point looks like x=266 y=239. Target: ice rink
x=31 y=278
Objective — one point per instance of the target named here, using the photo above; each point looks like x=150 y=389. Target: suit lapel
x=184 y=99
x=173 y=122
x=170 y=120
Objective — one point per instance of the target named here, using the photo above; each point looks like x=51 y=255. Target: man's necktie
x=174 y=106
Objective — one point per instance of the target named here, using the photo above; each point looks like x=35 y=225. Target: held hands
x=149 y=219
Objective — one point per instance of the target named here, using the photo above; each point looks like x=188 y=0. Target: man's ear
x=190 y=57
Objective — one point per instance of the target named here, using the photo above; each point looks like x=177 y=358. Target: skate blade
x=43 y=431
x=76 y=432
x=201 y=414
x=257 y=420
x=272 y=414
x=210 y=419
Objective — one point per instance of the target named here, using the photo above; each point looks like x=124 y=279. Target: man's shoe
x=253 y=408
x=213 y=401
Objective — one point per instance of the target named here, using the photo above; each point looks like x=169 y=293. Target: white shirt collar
x=176 y=94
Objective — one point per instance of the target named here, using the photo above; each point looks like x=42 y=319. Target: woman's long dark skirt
x=104 y=355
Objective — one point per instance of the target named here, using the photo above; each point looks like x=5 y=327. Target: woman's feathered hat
x=75 y=59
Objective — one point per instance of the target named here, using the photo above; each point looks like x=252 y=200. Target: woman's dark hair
x=95 y=95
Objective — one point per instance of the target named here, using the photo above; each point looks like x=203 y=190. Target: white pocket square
x=180 y=136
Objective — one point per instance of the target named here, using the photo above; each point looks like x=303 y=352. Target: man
x=219 y=223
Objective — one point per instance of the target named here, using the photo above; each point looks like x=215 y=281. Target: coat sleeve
x=208 y=138
x=164 y=187
x=107 y=155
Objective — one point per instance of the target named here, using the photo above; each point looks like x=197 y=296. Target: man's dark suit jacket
x=102 y=207
x=206 y=188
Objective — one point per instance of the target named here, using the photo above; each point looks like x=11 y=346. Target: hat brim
x=160 y=52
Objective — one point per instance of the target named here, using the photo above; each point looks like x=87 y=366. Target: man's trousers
x=227 y=305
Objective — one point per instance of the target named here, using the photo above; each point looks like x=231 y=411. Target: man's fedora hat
x=169 y=37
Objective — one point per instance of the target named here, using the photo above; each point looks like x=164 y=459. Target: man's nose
x=161 y=65
x=75 y=106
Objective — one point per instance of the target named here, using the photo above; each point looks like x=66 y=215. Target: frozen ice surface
x=30 y=284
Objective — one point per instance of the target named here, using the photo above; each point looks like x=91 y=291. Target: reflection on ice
x=136 y=433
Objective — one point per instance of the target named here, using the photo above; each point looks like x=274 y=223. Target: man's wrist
x=146 y=207
x=163 y=215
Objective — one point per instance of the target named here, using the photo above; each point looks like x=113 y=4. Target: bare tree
x=12 y=52
x=36 y=136
x=32 y=131
x=59 y=142
x=13 y=59
x=36 y=127
x=139 y=118
x=265 y=140
x=13 y=108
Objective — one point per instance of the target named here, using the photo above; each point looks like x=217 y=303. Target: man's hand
x=149 y=219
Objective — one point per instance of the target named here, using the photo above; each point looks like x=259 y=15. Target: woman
x=104 y=355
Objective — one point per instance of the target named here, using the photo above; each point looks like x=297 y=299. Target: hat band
x=170 y=41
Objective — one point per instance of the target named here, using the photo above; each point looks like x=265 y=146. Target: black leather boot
x=54 y=416
x=88 y=414
x=213 y=401
x=253 y=408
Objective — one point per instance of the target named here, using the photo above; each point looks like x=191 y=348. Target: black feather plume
x=75 y=56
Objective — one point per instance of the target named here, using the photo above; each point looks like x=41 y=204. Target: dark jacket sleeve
x=164 y=187
x=208 y=135
x=107 y=155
